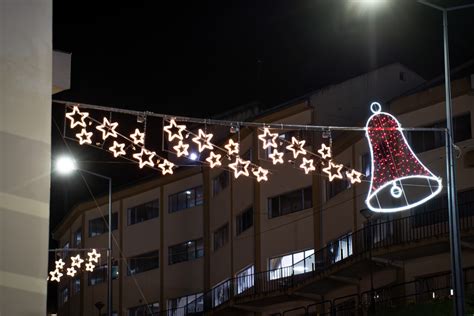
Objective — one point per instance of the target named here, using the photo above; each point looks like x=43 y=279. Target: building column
x=25 y=147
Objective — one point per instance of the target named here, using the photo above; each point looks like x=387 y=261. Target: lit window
x=245 y=279
x=184 y=305
x=185 y=251
x=220 y=293
x=340 y=248
x=78 y=237
x=185 y=199
x=293 y=263
x=151 y=309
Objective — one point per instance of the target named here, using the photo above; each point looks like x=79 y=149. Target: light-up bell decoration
x=297 y=147
x=181 y=149
x=145 y=158
x=399 y=181
x=276 y=157
x=138 y=137
x=84 y=137
x=232 y=147
x=93 y=256
x=333 y=170
x=307 y=165
x=173 y=126
x=203 y=140
x=107 y=128
x=214 y=160
x=268 y=138
x=325 y=151
x=240 y=167
x=80 y=121
x=118 y=149
x=261 y=174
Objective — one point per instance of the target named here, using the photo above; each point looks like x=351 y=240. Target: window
x=335 y=187
x=186 y=251
x=220 y=182
x=244 y=221
x=220 y=293
x=340 y=248
x=290 y=202
x=221 y=236
x=245 y=279
x=143 y=212
x=151 y=309
x=185 y=199
x=366 y=164
x=98 y=226
x=63 y=296
x=76 y=285
x=284 y=266
x=99 y=274
x=186 y=305
x=143 y=262
x=78 y=237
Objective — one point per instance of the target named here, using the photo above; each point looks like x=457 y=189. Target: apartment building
x=200 y=241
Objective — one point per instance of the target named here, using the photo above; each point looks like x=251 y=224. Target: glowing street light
x=65 y=165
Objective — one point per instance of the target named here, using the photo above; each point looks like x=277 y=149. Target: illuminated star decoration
x=117 y=149
x=90 y=266
x=261 y=174
x=276 y=156
x=107 y=128
x=297 y=147
x=59 y=264
x=55 y=275
x=232 y=147
x=74 y=122
x=71 y=271
x=178 y=134
x=307 y=165
x=181 y=149
x=203 y=140
x=214 y=160
x=240 y=167
x=76 y=261
x=268 y=139
x=354 y=176
x=328 y=171
x=93 y=256
x=145 y=161
x=138 y=137
x=84 y=137
x=166 y=167
x=325 y=151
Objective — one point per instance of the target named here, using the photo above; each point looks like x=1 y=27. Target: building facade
x=201 y=241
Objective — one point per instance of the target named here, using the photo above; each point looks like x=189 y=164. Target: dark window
x=185 y=199
x=78 y=237
x=99 y=274
x=76 y=285
x=143 y=212
x=220 y=182
x=63 y=296
x=98 y=226
x=424 y=141
x=244 y=220
x=185 y=251
x=151 y=309
x=290 y=202
x=366 y=164
x=221 y=236
x=143 y=262
x=335 y=187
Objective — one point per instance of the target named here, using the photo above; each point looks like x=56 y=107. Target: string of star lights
x=73 y=264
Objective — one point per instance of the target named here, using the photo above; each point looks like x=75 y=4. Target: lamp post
x=67 y=165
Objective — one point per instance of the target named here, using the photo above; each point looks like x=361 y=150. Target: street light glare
x=370 y=2
x=65 y=165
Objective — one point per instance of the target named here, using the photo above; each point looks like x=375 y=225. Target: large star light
x=354 y=176
x=138 y=137
x=325 y=151
x=307 y=165
x=145 y=158
x=71 y=271
x=203 y=140
x=333 y=174
x=107 y=128
x=59 y=264
x=178 y=134
x=240 y=167
x=214 y=160
x=76 y=261
x=80 y=121
x=268 y=138
x=181 y=149
x=84 y=137
x=276 y=156
x=93 y=256
x=55 y=275
x=261 y=174
x=297 y=147
x=232 y=147
x=118 y=149
x=166 y=167
x=90 y=266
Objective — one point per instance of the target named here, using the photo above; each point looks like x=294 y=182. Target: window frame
x=186 y=254
x=132 y=261
x=104 y=219
x=239 y=229
x=270 y=202
x=141 y=208
x=224 y=231
x=176 y=200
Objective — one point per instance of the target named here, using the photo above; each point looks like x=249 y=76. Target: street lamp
x=66 y=165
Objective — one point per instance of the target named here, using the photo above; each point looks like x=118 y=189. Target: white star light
x=328 y=171
x=268 y=139
x=59 y=264
x=354 y=176
x=148 y=161
x=55 y=275
x=240 y=167
x=117 y=149
x=166 y=167
x=90 y=266
x=84 y=137
x=107 y=128
x=93 y=256
x=307 y=165
x=178 y=134
x=325 y=151
x=138 y=137
x=203 y=140
x=181 y=149
x=71 y=271
x=261 y=174
x=297 y=147
x=214 y=160
x=76 y=261
x=74 y=122
x=232 y=147
x=276 y=156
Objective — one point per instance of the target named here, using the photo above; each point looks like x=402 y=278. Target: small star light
x=76 y=261
x=240 y=167
x=74 y=122
x=117 y=149
x=55 y=275
x=268 y=139
x=145 y=161
x=328 y=171
x=93 y=256
x=232 y=147
x=261 y=174
x=307 y=165
x=84 y=137
x=214 y=160
x=90 y=266
x=59 y=264
x=166 y=167
x=107 y=128
x=297 y=147
x=138 y=137
x=71 y=271
x=203 y=140
x=354 y=176
x=181 y=149
x=178 y=134
x=276 y=156
x=325 y=151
